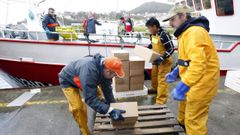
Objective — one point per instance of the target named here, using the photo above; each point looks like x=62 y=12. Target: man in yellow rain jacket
x=81 y=80
x=162 y=44
x=198 y=68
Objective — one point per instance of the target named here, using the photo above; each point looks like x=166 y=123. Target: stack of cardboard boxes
x=134 y=72
x=122 y=84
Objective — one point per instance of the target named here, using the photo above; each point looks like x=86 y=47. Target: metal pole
x=28 y=35
x=104 y=37
x=37 y=35
x=121 y=42
x=89 y=42
x=89 y=53
x=221 y=44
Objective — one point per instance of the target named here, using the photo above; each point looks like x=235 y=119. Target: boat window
x=190 y=3
x=198 y=4
x=206 y=4
x=224 y=7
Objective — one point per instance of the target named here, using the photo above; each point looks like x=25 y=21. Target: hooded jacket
x=90 y=72
x=197 y=59
x=91 y=25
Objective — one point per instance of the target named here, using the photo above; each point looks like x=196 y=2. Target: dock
x=46 y=113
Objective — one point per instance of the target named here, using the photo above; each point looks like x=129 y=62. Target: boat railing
x=120 y=39
x=38 y=35
x=224 y=44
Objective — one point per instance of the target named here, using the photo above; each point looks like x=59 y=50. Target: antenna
x=40 y=2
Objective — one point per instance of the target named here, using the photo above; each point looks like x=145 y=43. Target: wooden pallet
x=153 y=119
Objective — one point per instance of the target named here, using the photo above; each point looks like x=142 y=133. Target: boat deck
x=46 y=113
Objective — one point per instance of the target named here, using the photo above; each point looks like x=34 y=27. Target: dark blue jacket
x=90 y=72
x=49 y=23
x=91 y=25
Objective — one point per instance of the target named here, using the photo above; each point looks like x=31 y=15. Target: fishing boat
x=36 y=59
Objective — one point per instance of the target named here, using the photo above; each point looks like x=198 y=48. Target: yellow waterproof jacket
x=200 y=64
x=162 y=44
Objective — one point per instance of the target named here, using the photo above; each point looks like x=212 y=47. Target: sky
x=95 y=5
x=17 y=9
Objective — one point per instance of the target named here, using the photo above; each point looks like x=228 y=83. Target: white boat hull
x=42 y=60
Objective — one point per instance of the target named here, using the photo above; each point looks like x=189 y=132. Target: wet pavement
x=47 y=112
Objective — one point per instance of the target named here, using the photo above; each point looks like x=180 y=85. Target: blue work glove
x=116 y=114
x=158 y=61
x=172 y=76
x=179 y=92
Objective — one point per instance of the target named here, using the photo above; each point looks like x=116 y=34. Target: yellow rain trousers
x=159 y=72
x=78 y=107
x=201 y=75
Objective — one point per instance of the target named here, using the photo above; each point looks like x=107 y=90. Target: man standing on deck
x=91 y=23
x=89 y=75
x=198 y=68
x=162 y=44
x=49 y=24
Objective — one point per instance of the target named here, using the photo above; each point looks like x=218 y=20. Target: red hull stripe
x=45 y=73
x=65 y=43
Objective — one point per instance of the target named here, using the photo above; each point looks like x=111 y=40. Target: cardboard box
x=130 y=116
x=121 y=84
x=136 y=72
x=124 y=80
x=121 y=54
x=137 y=82
x=137 y=65
x=121 y=87
x=136 y=87
x=145 y=53
x=126 y=67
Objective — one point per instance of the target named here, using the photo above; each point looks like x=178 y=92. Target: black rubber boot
x=152 y=91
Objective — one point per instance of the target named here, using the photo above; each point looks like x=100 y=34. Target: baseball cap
x=115 y=65
x=178 y=8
